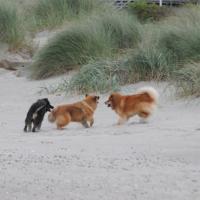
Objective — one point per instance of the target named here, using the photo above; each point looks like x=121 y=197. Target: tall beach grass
x=181 y=35
x=187 y=80
x=11 y=29
x=52 y=13
x=97 y=37
x=162 y=54
x=167 y=46
x=101 y=76
x=149 y=61
x=165 y=50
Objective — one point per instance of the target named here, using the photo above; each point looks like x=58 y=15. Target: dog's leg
x=85 y=124
x=122 y=120
x=25 y=128
x=59 y=127
x=29 y=127
x=34 y=128
x=63 y=120
x=35 y=125
x=91 y=122
x=144 y=117
x=39 y=126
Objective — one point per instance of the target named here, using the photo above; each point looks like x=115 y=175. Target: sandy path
x=155 y=161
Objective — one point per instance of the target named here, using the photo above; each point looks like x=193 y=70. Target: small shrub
x=145 y=11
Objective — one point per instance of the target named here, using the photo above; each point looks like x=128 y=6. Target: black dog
x=36 y=114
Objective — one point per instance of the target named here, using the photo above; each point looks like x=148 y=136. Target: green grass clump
x=184 y=45
x=11 y=31
x=150 y=61
x=181 y=35
x=51 y=13
x=101 y=36
x=69 y=49
x=187 y=80
x=182 y=40
x=168 y=46
x=101 y=76
x=122 y=28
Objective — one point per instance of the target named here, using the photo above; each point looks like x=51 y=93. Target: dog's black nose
x=108 y=103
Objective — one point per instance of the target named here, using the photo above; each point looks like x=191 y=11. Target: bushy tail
x=51 y=116
x=152 y=92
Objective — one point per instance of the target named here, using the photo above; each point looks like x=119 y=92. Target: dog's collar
x=86 y=104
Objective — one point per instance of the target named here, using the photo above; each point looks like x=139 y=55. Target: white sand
x=155 y=161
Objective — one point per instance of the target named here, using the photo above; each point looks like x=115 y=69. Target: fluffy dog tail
x=51 y=116
x=152 y=93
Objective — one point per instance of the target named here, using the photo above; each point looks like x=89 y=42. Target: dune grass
x=187 y=80
x=68 y=50
x=19 y=19
x=181 y=35
x=11 y=30
x=168 y=46
x=162 y=54
x=150 y=64
x=159 y=51
x=150 y=61
x=52 y=13
x=181 y=39
x=122 y=28
x=101 y=76
x=97 y=37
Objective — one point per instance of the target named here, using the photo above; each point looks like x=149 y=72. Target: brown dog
x=142 y=104
x=81 y=112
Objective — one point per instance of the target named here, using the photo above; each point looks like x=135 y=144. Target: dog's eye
x=96 y=97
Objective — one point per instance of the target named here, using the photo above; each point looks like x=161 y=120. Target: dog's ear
x=45 y=100
x=86 y=95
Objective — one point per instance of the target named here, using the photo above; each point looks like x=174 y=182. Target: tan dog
x=142 y=104
x=81 y=112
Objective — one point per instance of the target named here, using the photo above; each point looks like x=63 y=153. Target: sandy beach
x=159 y=160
